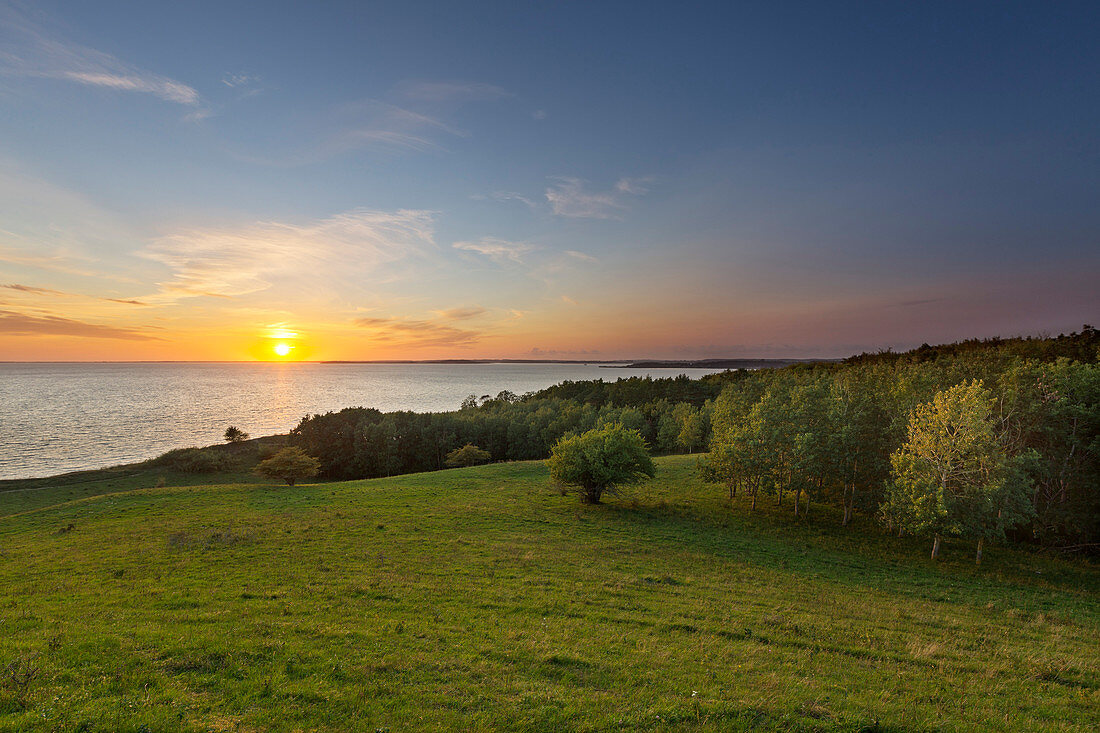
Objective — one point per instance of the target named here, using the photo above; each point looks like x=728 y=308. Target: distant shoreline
x=608 y=363
x=613 y=363
x=719 y=364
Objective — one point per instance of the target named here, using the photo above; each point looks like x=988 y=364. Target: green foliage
x=197 y=460
x=1077 y=346
x=636 y=391
x=234 y=434
x=600 y=460
x=467 y=455
x=952 y=476
x=358 y=442
x=291 y=464
x=828 y=432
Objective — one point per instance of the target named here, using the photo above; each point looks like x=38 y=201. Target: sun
x=283 y=349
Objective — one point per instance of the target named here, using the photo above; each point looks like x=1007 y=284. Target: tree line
x=366 y=443
x=977 y=442
x=980 y=439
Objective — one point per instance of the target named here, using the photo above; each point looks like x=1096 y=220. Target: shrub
x=600 y=460
x=290 y=465
x=196 y=460
x=467 y=455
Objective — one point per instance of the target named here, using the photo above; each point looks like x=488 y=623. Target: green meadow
x=482 y=599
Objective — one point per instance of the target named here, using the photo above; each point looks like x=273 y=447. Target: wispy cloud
x=634 y=186
x=230 y=262
x=513 y=196
x=449 y=91
x=47 y=227
x=580 y=256
x=500 y=251
x=54 y=263
x=410 y=332
x=367 y=124
x=31 y=51
x=364 y=137
x=22 y=324
x=240 y=80
x=570 y=197
x=32 y=290
x=462 y=314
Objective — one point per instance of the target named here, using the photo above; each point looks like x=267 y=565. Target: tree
x=952 y=476
x=467 y=455
x=857 y=443
x=693 y=424
x=600 y=460
x=234 y=434
x=290 y=464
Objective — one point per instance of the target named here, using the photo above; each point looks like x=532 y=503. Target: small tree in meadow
x=290 y=465
x=467 y=455
x=233 y=434
x=600 y=460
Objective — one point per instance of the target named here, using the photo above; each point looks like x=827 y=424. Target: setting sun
x=282 y=349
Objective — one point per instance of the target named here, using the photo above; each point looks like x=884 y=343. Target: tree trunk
x=753 y=509
x=978 y=559
x=936 y=548
x=797 y=494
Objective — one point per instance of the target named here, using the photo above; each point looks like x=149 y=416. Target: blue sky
x=500 y=179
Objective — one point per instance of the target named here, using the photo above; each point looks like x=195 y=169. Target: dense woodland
x=981 y=440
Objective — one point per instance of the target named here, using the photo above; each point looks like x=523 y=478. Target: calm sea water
x=69 y=417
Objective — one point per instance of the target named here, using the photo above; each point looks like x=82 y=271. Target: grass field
x=480 y=599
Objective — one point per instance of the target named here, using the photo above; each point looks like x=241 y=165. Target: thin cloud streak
x=415 y=333
x=32 y=52
x=32 y=290
x=22 y=324
x=462 y=314
x=500 y=251
x=513 y=196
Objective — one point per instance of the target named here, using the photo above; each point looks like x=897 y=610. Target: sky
x=569 y=180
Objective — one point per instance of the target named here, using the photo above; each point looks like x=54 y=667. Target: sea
x=62 y=417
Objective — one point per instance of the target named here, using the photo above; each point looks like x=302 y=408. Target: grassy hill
x=480 y=599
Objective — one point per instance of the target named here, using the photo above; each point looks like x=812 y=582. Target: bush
x=290 y=465
x=196 y=460
x=600 y=460
x=467 y=455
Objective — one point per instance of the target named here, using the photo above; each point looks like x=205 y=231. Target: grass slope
x=20 y=495
x=478 y=599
